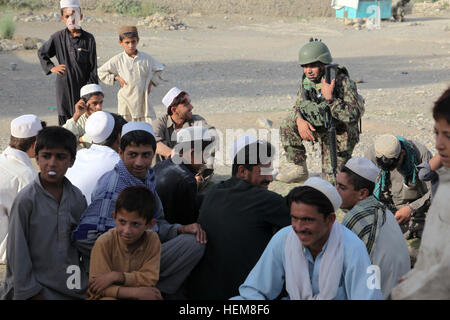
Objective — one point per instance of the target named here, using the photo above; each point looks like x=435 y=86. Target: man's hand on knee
x=196 y=229
x=305 y=129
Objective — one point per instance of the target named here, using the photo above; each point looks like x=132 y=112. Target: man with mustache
x=316 y=258
x=239 y=216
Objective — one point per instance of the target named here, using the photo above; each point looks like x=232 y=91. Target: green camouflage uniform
x=346 y=109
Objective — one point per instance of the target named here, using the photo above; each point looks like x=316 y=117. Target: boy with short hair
x=136 y=72
x=42 y=263
x=76 y=52
x=125 y=260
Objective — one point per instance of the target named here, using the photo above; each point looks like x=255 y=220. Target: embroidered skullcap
x=135 y=126
x=172 y=94
x=364 y=168
x=127 y=29
x=99 y=126
x=90 y=88
x=25 y=126
x=69 y=4
x=327 y=189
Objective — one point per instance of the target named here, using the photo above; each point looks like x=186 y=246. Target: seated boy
x=125 y=260
x=41 y=261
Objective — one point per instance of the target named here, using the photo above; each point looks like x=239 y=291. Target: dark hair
x=252 y=155
x=128 y=35
x=86 y=97
x=179 y=99
x=53 y=137
x=188 y=145
x=357 y=181
x=441 y=109
x=23 y=144
x=138 y=199
x=309 y=195
x=137 y=138
x=119 y=122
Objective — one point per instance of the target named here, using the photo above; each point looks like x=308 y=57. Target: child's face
x=54 y=163
x=72 y=18
x=95 y=103
x=442 y=131
x=137 y=159
x=129 y=45
x=131 y=226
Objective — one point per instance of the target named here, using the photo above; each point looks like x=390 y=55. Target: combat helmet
x=314 y=50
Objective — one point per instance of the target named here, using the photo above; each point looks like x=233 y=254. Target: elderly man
x=372 y=221
x=104 y=129
x=178 y=178
x=429 y=278
x=316 y=257
x=16 y=169
x=91 y=101
x=239 y=216
x=398 y=185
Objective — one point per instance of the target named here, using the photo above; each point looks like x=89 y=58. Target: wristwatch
x=413 y=211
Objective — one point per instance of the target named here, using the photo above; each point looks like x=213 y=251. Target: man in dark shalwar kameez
x=75 y=50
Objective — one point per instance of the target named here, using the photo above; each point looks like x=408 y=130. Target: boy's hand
x=148 y=293
x=194 y=228
x=100 y=282
x=121 y=81
x=80 y=108
x=59 y=69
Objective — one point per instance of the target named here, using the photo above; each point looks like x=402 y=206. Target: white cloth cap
x=172 y=94
x=193 y=133
x=241 y=143
x=134 y=126
x=25 y=126
x=363 y=167
x=69 y=4
x=327 y=189
x=90 y=88
x=387 y=145
x=99 y=126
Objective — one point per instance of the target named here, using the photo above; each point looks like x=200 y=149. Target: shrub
x=7 y=27
x=130 y=7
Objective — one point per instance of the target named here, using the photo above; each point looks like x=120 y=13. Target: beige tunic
x=429 y=279
x=133 y=99
x=78 y=129
x=141 y=267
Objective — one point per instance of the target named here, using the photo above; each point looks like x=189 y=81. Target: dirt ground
x=242 y=68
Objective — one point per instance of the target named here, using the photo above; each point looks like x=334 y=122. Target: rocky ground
x=240 y=68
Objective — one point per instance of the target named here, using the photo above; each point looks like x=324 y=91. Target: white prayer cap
x=241 y=143
x=327 y=189
x=25 y=126
x=134 y=126
x=193 y=133
x=172 y=94
x=69 y=4
x=99 y=126
x=90 y=88
x=387 y=145
x=363 y=167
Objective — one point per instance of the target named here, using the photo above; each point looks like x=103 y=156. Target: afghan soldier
x=307 y=121
x=398 y=185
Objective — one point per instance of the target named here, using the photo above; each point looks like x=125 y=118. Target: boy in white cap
x=239 y=216
x=429 y=279
x=398 y=185
x=372 y=221
x=316 y=258
x=16 y=169
x=76 y=52
x=104 y=128
x=91 y=101
x=137 y=72
x=182 y=245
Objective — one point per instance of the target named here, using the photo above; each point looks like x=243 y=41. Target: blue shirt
x=266 y=280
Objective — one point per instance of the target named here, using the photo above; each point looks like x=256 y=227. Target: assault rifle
x=329 y=123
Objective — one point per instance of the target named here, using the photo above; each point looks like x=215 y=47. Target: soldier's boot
x=293 y=173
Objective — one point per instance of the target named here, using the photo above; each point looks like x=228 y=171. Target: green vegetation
x=7 y=27
x=22 y=4
x=131 y=7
